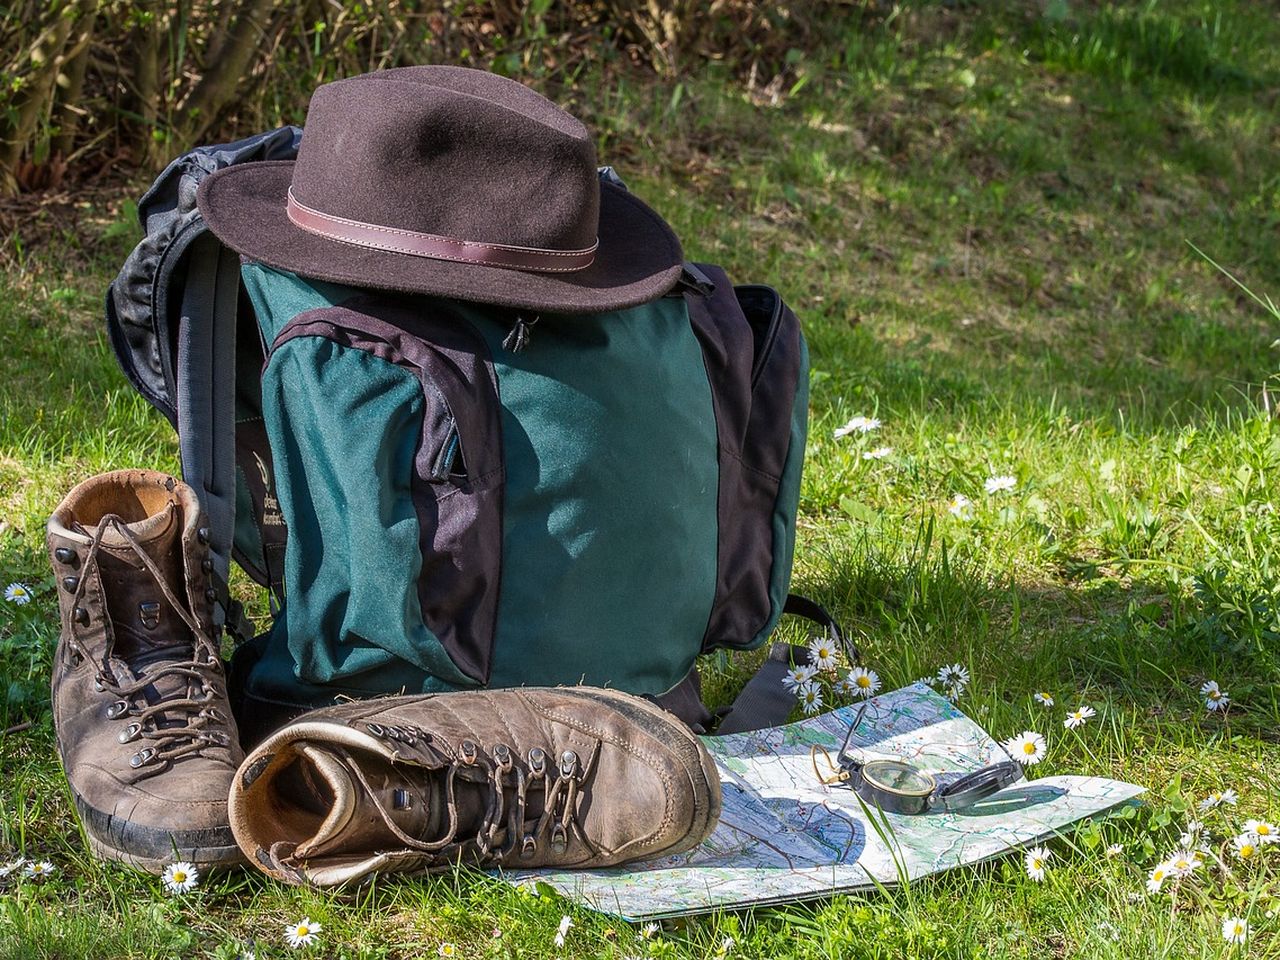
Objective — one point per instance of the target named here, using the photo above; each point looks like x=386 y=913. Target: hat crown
x=450 y=152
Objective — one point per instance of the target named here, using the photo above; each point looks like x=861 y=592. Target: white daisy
x=1215 y=698
x=1217 y=799
x=726 y=946
x=960 y=506
x=999 y=483
x=857 y=425
x=18 y=593
x=1115 y=850
x=447 y=950
x=798 y=677
x=956 y=675
x=879 y=453
x=1264 y=831
x=1045 y=698
x=39 y=870
x=650 y=930
x=1036 y=860
x=562 y=930
x=1078 y=717
x=1158 y=875
x=1183 y=863
x=1235 y=929
x=301 y=934
x=1246 y=845
x=863 y=682
x=810 y=699
x=180 y=877
x=1028 y=748
x=823 y=654
x=247 y=953
x=12 y=867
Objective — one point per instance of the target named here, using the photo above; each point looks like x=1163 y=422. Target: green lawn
x=984 y=222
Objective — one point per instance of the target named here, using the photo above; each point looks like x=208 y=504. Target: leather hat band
x=435 y=247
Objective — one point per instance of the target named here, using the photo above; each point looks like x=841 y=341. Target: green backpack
x=443 y=495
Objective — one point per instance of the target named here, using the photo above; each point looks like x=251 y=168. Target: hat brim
x=638 y=259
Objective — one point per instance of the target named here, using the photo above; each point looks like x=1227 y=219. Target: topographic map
x=784 y=835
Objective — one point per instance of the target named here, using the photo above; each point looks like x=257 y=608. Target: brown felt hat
x=452 y=182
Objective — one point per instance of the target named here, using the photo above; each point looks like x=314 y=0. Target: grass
x=984 y=220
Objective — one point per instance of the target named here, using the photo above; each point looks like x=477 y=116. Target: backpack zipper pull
x=518 y=338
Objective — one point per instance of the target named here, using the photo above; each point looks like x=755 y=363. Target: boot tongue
x=142 y=619
x=354 y=823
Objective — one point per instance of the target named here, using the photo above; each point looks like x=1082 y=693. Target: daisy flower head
x=1184 y=863
x=650 y=930
x=955 y=675
x=799 y=676
x=447 y=950
x=823 y=653
x=1078 y=717
x=999 y=484
x=1264 y=831
x=1037 y=860
x=1246 y=845
x=1215 y=698
x=12 y=867
x=726 y=947
x=857 y=424
x=1028 y=748
x=960 y=506
x=561 y=931
x=1113 y=851
x=180 y=877
x=1044 y=698
x=879 y=453
x=1235 y=929
x=301 y=934
x=810 y=696
x=39 y=870
x=18 y=593
x=1158 y=875
x=1218 y=798
x=863 y=682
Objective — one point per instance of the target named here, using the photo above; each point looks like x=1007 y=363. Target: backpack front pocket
x=384 y=423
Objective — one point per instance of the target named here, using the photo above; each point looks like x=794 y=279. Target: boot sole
x=151 y=849
x=638 y=709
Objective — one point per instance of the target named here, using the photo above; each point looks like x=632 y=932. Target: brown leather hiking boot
x=144 y=730
x=531 y=777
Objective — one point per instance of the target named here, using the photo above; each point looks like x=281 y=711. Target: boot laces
x=204 y=723
x=505 y=826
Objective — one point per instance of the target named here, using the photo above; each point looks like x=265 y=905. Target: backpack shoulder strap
x=764 y=701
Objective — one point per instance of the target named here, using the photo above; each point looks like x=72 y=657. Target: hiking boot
x=567 y=777
x=144 y=730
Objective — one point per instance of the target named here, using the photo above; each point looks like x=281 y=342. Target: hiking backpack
x=443 y=495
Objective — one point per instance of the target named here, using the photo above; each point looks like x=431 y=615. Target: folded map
x=784 y=835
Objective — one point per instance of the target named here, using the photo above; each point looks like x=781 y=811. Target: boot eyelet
x=118 y=709
x=537 y=759
x=377 y=729
x=206 y=565
x=468 y=751
x=568 y=763
x=211 y=595
x=69 y=584
x=502 y=754
x=559 y=839
x=68 y=556
x=142 y=757
x=528 y=847
x=203 y=534
x=130 y=733
x=75 y=658
x=81 y=616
